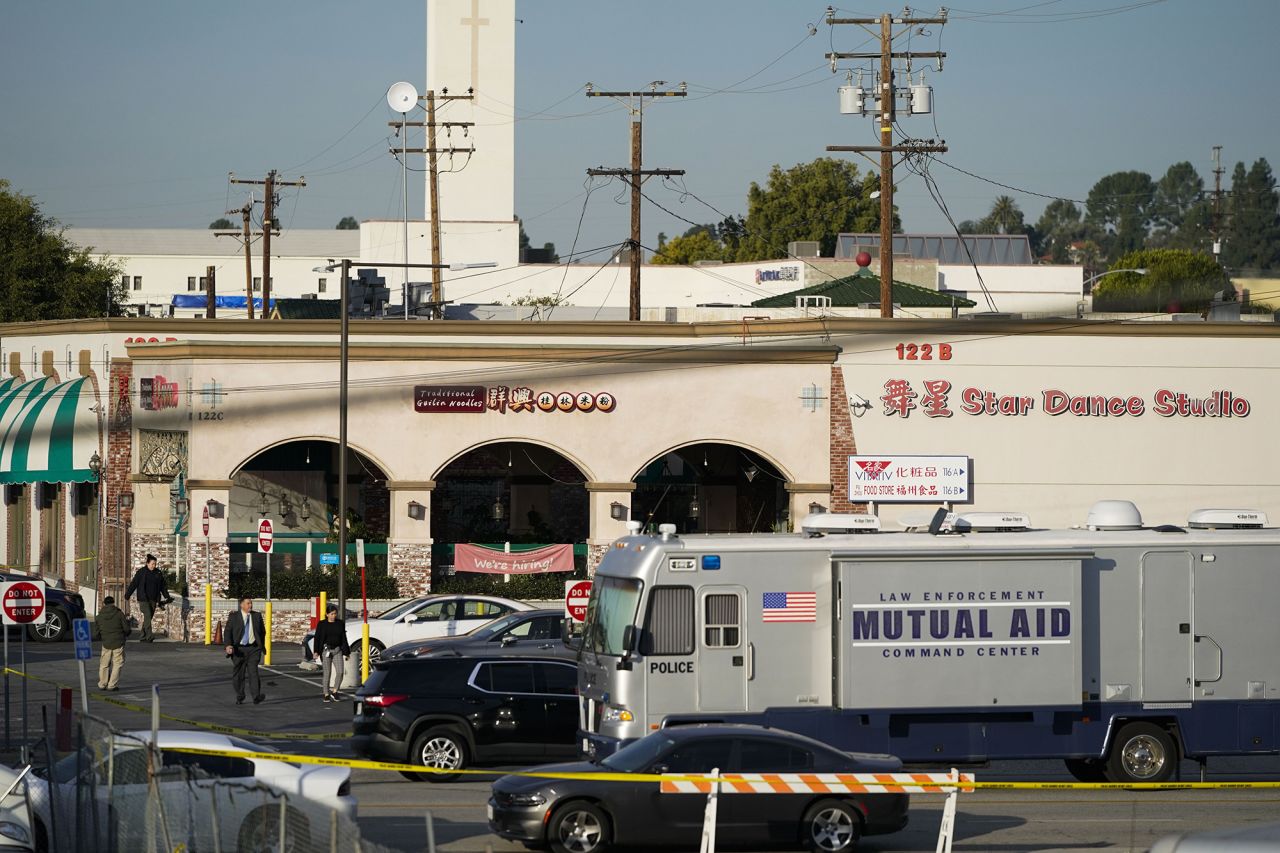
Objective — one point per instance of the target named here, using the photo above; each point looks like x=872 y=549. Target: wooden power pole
x=886 y=96
x=210 y=293
x=635 y=176
x=246 y=236
x=271 y=182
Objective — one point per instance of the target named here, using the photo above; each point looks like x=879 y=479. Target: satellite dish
x=402 y=97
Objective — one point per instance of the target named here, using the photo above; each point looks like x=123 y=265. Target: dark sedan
x=527 y=632
x=587 y=816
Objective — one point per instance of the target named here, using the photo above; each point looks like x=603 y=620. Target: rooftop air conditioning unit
x=708 y=262
x=1114 y=515
x=819 y=523
x=1227 y=519
x=991 y=522
x=803 y=249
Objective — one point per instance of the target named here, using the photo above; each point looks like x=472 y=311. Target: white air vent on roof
x=1114 y=515
x=831 y=522
x=991 y=521
x=1226 y=519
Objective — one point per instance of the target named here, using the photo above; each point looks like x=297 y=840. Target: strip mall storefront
x=558 y=433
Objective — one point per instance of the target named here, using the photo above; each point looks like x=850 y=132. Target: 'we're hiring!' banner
x=552 y=558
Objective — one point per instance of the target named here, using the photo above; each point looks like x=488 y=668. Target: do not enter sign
x=204 y=521
x=23 y=602
x=576 y=594
x=265 y=536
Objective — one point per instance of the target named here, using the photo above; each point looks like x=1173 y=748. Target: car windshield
x=639 y=755
x=611 y=608
x=400 y=609
x=491 y=629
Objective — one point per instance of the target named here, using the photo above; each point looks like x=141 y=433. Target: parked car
x=430 y=616
x=452 y=712
x=16 y=826
x=525 y=632
x=1250 y=838
x=60 y=608
x=588 y=816
x=248 y=809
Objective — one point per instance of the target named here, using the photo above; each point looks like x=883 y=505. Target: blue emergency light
x=710 y=562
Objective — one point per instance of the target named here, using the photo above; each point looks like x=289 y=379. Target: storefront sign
x=502 y=399
x=156 y=393
x=909 y=479
x=552 y=558
x=780 y=274
x=938 y=399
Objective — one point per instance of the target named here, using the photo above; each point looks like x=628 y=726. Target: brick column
x=409 y=540
x=843 y=445
x=604 y=528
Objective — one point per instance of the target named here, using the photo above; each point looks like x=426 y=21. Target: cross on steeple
x=475 y=22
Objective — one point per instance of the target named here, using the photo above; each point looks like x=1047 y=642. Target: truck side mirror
x=566 y=635
x=629 y=637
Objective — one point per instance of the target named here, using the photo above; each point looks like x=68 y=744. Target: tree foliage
x=1176 y=280
x=1253 y=235
x=1120 y=204
x=42 y=275
x=221 y=224
x=347 y=223
x=1059 y=226
x=688 y=248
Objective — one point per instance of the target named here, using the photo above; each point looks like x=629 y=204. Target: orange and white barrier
x=821 y=783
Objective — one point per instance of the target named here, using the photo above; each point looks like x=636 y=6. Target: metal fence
x=115 y=794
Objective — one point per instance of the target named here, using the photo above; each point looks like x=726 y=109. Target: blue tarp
x=198 y=300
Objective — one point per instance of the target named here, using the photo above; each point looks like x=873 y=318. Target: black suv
x=448 y=713
x=60 y=607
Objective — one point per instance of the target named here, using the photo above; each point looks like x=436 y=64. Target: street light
x=344 y=334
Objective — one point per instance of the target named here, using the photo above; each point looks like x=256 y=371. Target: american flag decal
x=790 y=607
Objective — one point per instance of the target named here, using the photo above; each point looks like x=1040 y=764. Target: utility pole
x=433 y=167
x=271 y=182
x=210 y=293
x=246 y=238
x=885 y=112
x=636 y=175
x=1216 y=227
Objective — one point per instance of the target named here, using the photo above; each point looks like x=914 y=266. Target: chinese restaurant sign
x=552 y=558
x=500 y=398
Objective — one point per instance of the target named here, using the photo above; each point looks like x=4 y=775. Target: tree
x=1176 y=280
x=545 y=255
x=1005 y=217
x=1253 y=236
x=700 y=245
x=347 y=223
x=1120 y=203
x=42 y=275
x=810 y=201
x=221 y=224
x=1059 y=226
x=1178 y=210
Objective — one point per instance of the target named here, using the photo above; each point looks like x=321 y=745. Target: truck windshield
x=612 y=607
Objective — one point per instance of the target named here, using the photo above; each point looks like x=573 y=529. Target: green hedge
x=540 y=587
x=308 y=583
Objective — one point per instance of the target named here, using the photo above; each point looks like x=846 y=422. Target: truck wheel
x=1142 y=752
x=1087 y=769
x=440 y=748
x=578 y=827
x=261 y=832
x=831 y=826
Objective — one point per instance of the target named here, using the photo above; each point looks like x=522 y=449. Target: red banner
x=473 y=558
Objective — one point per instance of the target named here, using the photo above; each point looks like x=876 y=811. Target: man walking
x=111 y=628
x=149 y=584
x=246 y=638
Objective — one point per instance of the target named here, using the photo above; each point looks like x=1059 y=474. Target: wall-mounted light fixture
x=617 y=511
x=695 y=509
x=95 y=465
x=124 y=500
x=181 y=507
x=499 y=512
x=286 y=505
x=263 y=506
x=216 y=509
x=815 y=508
x=417 y=511
x=305 y=512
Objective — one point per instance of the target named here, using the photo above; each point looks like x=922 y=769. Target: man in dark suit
x=246 y=639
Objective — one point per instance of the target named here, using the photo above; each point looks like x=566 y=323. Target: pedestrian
x=148 y=583
x=246 y=638
x=332 y=645
x=110 y=627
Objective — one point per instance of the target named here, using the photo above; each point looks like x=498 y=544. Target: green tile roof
x=305 y=309
x=863 y=287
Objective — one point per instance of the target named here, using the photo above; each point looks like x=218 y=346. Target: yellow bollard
x=266 y=618
x=208 y=614
x=364 y=652
x=324 y=601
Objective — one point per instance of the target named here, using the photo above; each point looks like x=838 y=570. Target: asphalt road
x=195 y=683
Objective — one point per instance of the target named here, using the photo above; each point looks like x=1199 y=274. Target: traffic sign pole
x=84 y=651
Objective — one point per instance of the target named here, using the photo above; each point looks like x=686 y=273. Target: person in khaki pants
x=111 y=627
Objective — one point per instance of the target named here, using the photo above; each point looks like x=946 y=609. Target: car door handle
x=751 y=661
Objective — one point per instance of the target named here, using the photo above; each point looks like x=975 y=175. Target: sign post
x=364 y=614
x=266 y=537
x=84 y=652
x=22 y=603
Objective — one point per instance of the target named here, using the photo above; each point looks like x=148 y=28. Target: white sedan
x=239 y=799
x=431 y=616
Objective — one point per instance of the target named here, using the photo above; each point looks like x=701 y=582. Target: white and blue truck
x=1118 y=647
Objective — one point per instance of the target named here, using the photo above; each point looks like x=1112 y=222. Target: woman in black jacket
x=332 y=648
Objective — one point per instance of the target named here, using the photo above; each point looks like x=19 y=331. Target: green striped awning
x=48 y=431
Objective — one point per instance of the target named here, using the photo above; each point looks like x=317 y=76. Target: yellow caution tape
x=92 y=556
x=200 y=724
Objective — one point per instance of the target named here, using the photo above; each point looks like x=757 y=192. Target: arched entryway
x=711 y=487
x=509 y=494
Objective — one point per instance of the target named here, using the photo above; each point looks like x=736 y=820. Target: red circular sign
x=265 y=536
x=575 y=600
x=204 y=522
x=24 y=602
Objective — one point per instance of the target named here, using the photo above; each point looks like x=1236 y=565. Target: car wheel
x=375 y=650
x=260 y=832
x=831 y=826
x=440 y=748
x=55 y=627
x=1142 y=752
x=578 y=828
x=1087 y=769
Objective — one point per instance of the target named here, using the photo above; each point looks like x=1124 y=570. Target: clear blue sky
x=131 y=114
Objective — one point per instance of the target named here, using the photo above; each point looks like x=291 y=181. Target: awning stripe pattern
x=48 y=431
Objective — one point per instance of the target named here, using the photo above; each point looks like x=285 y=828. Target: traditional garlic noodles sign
x=937 y=399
